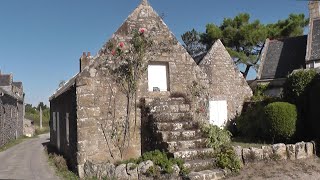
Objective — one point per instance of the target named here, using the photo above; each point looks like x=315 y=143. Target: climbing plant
x=126 y=67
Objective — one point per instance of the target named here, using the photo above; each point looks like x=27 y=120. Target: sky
x=41 y=41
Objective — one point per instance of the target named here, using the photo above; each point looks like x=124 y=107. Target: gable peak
x=144 y=2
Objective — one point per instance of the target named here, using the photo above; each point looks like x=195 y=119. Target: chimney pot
x=89 y=54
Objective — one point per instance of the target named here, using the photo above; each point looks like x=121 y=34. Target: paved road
x=26 y=160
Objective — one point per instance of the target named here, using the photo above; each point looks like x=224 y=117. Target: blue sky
x=41 y=40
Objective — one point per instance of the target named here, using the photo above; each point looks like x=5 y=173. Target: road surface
x=27 y=160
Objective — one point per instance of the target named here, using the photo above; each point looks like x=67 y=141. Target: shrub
x=226 y=158
x=296 y=83
x=281 y=118
x=216 y=136
x=251 y=124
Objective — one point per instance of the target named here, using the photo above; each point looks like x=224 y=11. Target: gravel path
x=308 y=169
x=26 y=160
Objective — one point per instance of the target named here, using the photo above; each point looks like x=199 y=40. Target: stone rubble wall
x=128 y=171
x=300 y=150
x=11 y=119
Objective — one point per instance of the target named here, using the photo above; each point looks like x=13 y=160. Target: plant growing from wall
x=127 y=66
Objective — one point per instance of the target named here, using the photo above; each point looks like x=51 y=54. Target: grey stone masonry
x=300 y=150
x=103 y=127
x=11 y=109
x=225 y=80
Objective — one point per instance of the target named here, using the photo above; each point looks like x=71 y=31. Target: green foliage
x=192 y=43
x=227 y=159
x=295 y=85
x=61 y=167
x=290 y=27
x=244 y=38
x=251 y=124
x=216 y=136
x=258 y=94
x=33 y=113
x=160 y=159
x=281 y=118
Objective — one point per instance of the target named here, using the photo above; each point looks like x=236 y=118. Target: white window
x=218 y=112
x=54 y=124
x=157 y=78
x=67 y=127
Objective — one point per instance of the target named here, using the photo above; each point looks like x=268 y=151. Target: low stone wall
x=128 y=171
x=301 y=150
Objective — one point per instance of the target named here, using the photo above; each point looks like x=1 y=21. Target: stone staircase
x=176 y=132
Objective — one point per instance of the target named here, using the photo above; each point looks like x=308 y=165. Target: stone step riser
x=180 y=145
x=194 y=154
x=172 y=117
x=179 y=135
x=176 y=126
x=171 y=108
x=170 y=101
x=201 y=165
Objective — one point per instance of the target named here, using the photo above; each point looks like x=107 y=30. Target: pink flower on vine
x=113 y=52
x=142 y=30
x=202 y=110
x=121 y=44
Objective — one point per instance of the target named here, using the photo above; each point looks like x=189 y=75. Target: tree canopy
x=243 y=38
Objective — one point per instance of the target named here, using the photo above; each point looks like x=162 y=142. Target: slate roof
x=283 y=56
x=5 y=79
x=18 y=84
x=315 y=42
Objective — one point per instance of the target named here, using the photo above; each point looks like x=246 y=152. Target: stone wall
x=11 y=118
x=301 y=150
x=101 y=106
x=225 y=80
x=63 y=108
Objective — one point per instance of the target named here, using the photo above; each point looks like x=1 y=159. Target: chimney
x=314 y=9
x=84 y=60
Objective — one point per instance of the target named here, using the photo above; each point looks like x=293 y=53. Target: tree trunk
x=245 y=73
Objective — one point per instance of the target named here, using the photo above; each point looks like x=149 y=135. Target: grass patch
x=13 y=143
x=59 y=164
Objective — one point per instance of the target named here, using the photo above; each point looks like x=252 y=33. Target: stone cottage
x=91 y=119
x=281 y=56
x=11 y=109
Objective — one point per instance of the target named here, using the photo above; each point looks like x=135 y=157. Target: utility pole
x=40 y=117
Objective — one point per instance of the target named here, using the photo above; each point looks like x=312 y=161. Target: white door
x=218 y=112
x=157 y=77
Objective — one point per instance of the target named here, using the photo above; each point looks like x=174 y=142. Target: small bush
x=216 y=136
x=227 y=159
x=251 y=124
x=281 y=118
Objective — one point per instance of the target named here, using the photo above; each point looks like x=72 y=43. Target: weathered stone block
x=238 y=151
x=280 y=150
x=121 y=172
x=86 y=100
x=291 y=151
x=247 y=155
x=144 y=166
x=132 y=171
x=301 y=150
x=257 y=153
x=267 y=152
x=310 y=149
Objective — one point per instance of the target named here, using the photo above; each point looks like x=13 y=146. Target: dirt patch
x=281 y=170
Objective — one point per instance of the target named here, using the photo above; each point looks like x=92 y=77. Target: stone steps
x=193 y=154
x=213 y=174
x=188 y=144
x=172 y=117
x=200 y=164
x=166 y=101
x=180 y=135
x=170 y=108
x=175 y=126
